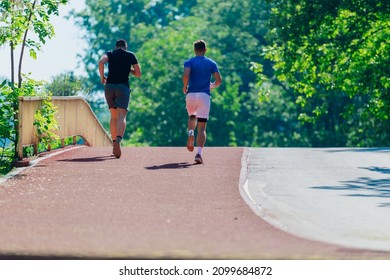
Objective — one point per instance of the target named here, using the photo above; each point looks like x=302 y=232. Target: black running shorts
x=117 y=96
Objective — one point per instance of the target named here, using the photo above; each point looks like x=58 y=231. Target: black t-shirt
x=119 y=66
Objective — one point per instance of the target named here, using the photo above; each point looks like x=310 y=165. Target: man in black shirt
x=121 y=63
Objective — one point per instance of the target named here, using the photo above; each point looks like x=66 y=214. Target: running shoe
x=198 y=159
x=117 y=149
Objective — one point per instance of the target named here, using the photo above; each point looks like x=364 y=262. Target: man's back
x=200 y=76
x=119 y=66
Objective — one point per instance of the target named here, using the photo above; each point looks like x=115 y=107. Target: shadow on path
x=91 y=159
x=360 y=150
x=11 y=256
x=384 y=170
x=365 y=186
x=179 y=165
x=376 y=188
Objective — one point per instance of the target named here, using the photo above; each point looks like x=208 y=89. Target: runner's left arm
x=218 y=80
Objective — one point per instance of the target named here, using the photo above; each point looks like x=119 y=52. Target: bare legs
x=117 y=128
x=200 y=138
x=117 y=122
x=191 y=133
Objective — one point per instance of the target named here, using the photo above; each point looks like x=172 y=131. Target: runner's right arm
x=102 y=61
x=186 y=77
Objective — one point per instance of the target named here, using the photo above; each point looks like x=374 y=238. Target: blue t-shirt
x=201 y=70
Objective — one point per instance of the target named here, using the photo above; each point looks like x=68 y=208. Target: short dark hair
x=121 y=43
x=200 y=45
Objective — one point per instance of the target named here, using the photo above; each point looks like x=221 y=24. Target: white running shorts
x=198 y=104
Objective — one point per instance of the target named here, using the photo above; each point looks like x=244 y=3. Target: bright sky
x=58 y=55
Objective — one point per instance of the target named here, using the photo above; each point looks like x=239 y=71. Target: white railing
x=74 y=117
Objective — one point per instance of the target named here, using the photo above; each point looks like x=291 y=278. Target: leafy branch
x=45 y=122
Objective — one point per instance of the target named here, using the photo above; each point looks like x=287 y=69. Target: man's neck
x=199 y=53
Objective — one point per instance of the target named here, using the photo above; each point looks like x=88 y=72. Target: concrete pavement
x=335 y=195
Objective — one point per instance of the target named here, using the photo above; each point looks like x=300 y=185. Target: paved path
x=336 y=195
x=151 y=203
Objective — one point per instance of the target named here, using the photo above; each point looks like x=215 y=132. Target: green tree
x=233 y=30
x=68 y=84
x=158 y=114
x=19 y=19
x=238 y=30
x=135 y=21
x=334 y=56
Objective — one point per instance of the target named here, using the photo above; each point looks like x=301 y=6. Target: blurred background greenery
x=295 y=73
x=299 y=73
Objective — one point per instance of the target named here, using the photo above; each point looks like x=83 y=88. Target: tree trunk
x=12 y=63
x=16 y=105
x=24 y=45
x=15 y=102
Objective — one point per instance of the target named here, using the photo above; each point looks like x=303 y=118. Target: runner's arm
x=186 y=77
x=136 y=70
x=103 y=60
x=218 y=80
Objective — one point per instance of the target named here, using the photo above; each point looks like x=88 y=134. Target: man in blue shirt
x=197 y=85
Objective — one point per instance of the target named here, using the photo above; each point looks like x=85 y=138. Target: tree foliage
x=161 y=35
x=334 y=56
x=136 y=21
x=321 y=68
x=20 y=19
x=68 y=84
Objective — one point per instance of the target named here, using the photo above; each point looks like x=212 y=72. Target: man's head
x=121 y=44
x=200 y=47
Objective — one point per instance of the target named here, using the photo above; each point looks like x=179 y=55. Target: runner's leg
x=114 y=132
x=113 y=123
x=201 y=137
x=191 y=106
x=122 y=100
x=191 y=132
x=203 y=115
x=120 y=129
x=121 y=122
